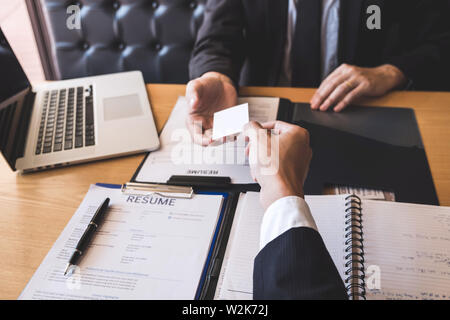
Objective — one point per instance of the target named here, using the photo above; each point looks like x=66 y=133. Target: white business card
x=230 y=122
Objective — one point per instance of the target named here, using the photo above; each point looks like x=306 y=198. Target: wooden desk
x=35 y=208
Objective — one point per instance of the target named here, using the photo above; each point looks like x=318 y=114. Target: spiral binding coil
x=354 y=250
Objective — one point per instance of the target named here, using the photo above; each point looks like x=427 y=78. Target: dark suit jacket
x=296 y=265
x=245 y=40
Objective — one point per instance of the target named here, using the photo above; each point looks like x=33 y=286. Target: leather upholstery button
x=155 y=5
x=193 y=5
x=157 y=46
x=121 y=46
x=116 y=5
x=85 y=46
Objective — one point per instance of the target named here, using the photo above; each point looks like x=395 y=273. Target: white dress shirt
x=282 y=215
x=329 y=40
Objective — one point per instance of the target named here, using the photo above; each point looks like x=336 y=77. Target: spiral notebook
x=382 y=250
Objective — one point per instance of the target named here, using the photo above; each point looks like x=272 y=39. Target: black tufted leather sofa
x=153 y=36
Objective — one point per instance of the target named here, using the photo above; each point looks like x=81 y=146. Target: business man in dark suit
x=293 y=262
x=347 y=48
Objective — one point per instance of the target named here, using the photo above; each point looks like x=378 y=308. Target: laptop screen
x=12 y=77
x=16 y=103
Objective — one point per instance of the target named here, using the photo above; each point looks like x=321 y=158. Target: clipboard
x=179 y=189
x=203 y=185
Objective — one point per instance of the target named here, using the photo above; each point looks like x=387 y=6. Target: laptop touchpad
x=122 y=107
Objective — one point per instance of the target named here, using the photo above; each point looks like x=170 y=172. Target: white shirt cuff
x=284 y=214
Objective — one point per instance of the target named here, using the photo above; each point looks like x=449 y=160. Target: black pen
x=88 y=235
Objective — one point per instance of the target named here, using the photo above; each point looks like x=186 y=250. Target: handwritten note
x=411 y=246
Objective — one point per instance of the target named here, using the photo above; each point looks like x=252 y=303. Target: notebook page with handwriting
x=236 y=277
x=407 y=250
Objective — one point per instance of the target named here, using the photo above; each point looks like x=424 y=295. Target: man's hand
x=347 y=83
x=290 y=157
x=206 y=95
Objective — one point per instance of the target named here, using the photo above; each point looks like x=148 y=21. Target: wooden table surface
x=34 y=208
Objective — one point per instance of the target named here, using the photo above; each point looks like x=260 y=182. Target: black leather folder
x=367 y=147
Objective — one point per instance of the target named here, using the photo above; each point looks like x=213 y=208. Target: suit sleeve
x=425 y=40
x=296 y=265
x=220 y=44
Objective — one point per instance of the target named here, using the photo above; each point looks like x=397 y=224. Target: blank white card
x=230 y=121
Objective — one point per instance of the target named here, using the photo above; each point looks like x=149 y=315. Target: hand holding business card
x=230 y=122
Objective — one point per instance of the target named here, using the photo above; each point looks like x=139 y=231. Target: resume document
x=148 y=247
x=180 y=156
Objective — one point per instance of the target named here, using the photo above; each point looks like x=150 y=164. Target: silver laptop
x=66 y=122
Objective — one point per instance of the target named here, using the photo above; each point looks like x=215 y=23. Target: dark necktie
x=305 y=52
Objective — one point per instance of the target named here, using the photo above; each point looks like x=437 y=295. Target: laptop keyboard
x=67 y=120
